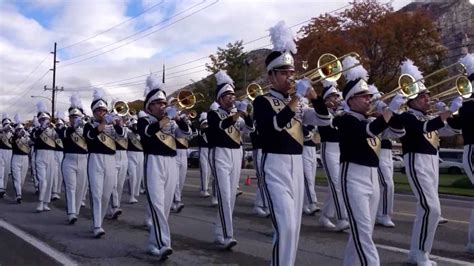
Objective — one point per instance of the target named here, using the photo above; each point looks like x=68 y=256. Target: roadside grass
x=448 y=184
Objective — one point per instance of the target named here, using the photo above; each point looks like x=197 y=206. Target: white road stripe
x=42 y=246
x=432 y=257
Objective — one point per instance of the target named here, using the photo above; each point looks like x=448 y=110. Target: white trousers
x=283 y=180
x=135 y=171
x=33 y=168
x=310 y=165
x=58 y=175
x=121 y=163
x=160 y=183
x=102 y=176
x=5 y=161
x=45 y=173
x=74 y=170
x=19 y=170
x=334 y=203
x=226 y=165
x=423 y=175
x=385 y=171
x=260 y=198
x=204 y=167
x=182 y=166
x=360 y=190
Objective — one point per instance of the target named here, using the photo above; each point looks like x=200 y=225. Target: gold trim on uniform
x=22 y=146
x=47 y=140
x=294 y=128
x=375 y=144
x=231 y=131
x=135 y=141
x=108 y=141
x=168 y=140
x=183 y=141
x=59 y=142
x=316 y=139
x=432 y=138
x=79 y=140
x=6 y=141
x=122 y=142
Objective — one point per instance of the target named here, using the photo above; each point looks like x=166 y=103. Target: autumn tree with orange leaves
x=383 y=38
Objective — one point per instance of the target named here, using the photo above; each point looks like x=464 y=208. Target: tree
x=383 y=38
x=236 y=63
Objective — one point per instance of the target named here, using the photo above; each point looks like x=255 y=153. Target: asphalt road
x=192 y=233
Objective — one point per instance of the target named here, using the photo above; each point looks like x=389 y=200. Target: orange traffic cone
x=248 y=181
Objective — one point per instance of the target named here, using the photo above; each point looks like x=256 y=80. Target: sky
x=115 y=44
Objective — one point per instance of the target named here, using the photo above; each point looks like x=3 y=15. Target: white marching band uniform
x=19 y=164
x=58 y=159
x=182 y=144
x=5 y=154
x=310 y=166
x=135 y=168
x=204 y=168
x=260 y=206
x=121 y=163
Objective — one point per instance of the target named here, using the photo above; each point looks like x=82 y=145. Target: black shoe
x=2 y=194
x=116 y=214
x=18 y=200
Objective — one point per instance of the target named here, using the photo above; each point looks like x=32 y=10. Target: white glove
x=171 y=112
x=379 y=106
x=440 y=106
x=302 y=87
x=79 y=131
x=376 y=96
x=456 y=104
x=109 y=118
x=396 y=103
x=242 y=106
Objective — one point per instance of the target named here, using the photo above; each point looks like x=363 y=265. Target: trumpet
x=252 y=91
x=186 y=99
x=120 y=108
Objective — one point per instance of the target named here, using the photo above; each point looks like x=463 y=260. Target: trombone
x=252 y=91
x=120 y=108
x=407 y=86
x=186 y=99
x=329 y=68
x=462 y=88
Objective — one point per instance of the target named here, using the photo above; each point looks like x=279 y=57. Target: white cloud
x=24 y=43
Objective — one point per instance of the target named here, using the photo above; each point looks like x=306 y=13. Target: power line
x=113 y=27
x=31 y=73
x=141 y=37
x=28 y=90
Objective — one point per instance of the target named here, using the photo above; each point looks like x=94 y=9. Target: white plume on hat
x=17 y=119
x=373 y=89
x=282 y=38
x=468 y=62
x=75 y=101
x=223 y=78
x=60 y=115
x=328 y=83
x=98 y=94
x=142 y=114
x=4 y=116
x=408 y=67
x=351 y=72
x=153 y=82
x=41 y=106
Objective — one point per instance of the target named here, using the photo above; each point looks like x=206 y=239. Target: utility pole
x=53 y=89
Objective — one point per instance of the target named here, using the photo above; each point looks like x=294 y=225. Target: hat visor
x=363 y=93
x=284 y=67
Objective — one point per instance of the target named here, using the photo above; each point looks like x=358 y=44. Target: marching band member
x=420 y=154
x=58 y=158
x=36 y=124
x=385 y=168
x=225 y=128
x=44 y=138
x=157 y=132
x=213 y=107
x=260 y=206
x=204 y=170
x=21 y=149
x=182 y=144
x=360 y=147
x=466 y=113
x=74 y=165
x=310 y=165
x=101 y=166
x=121 y=163
x=5 y=153
x=327 y=107
x=135 y=161
x=279 y=119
